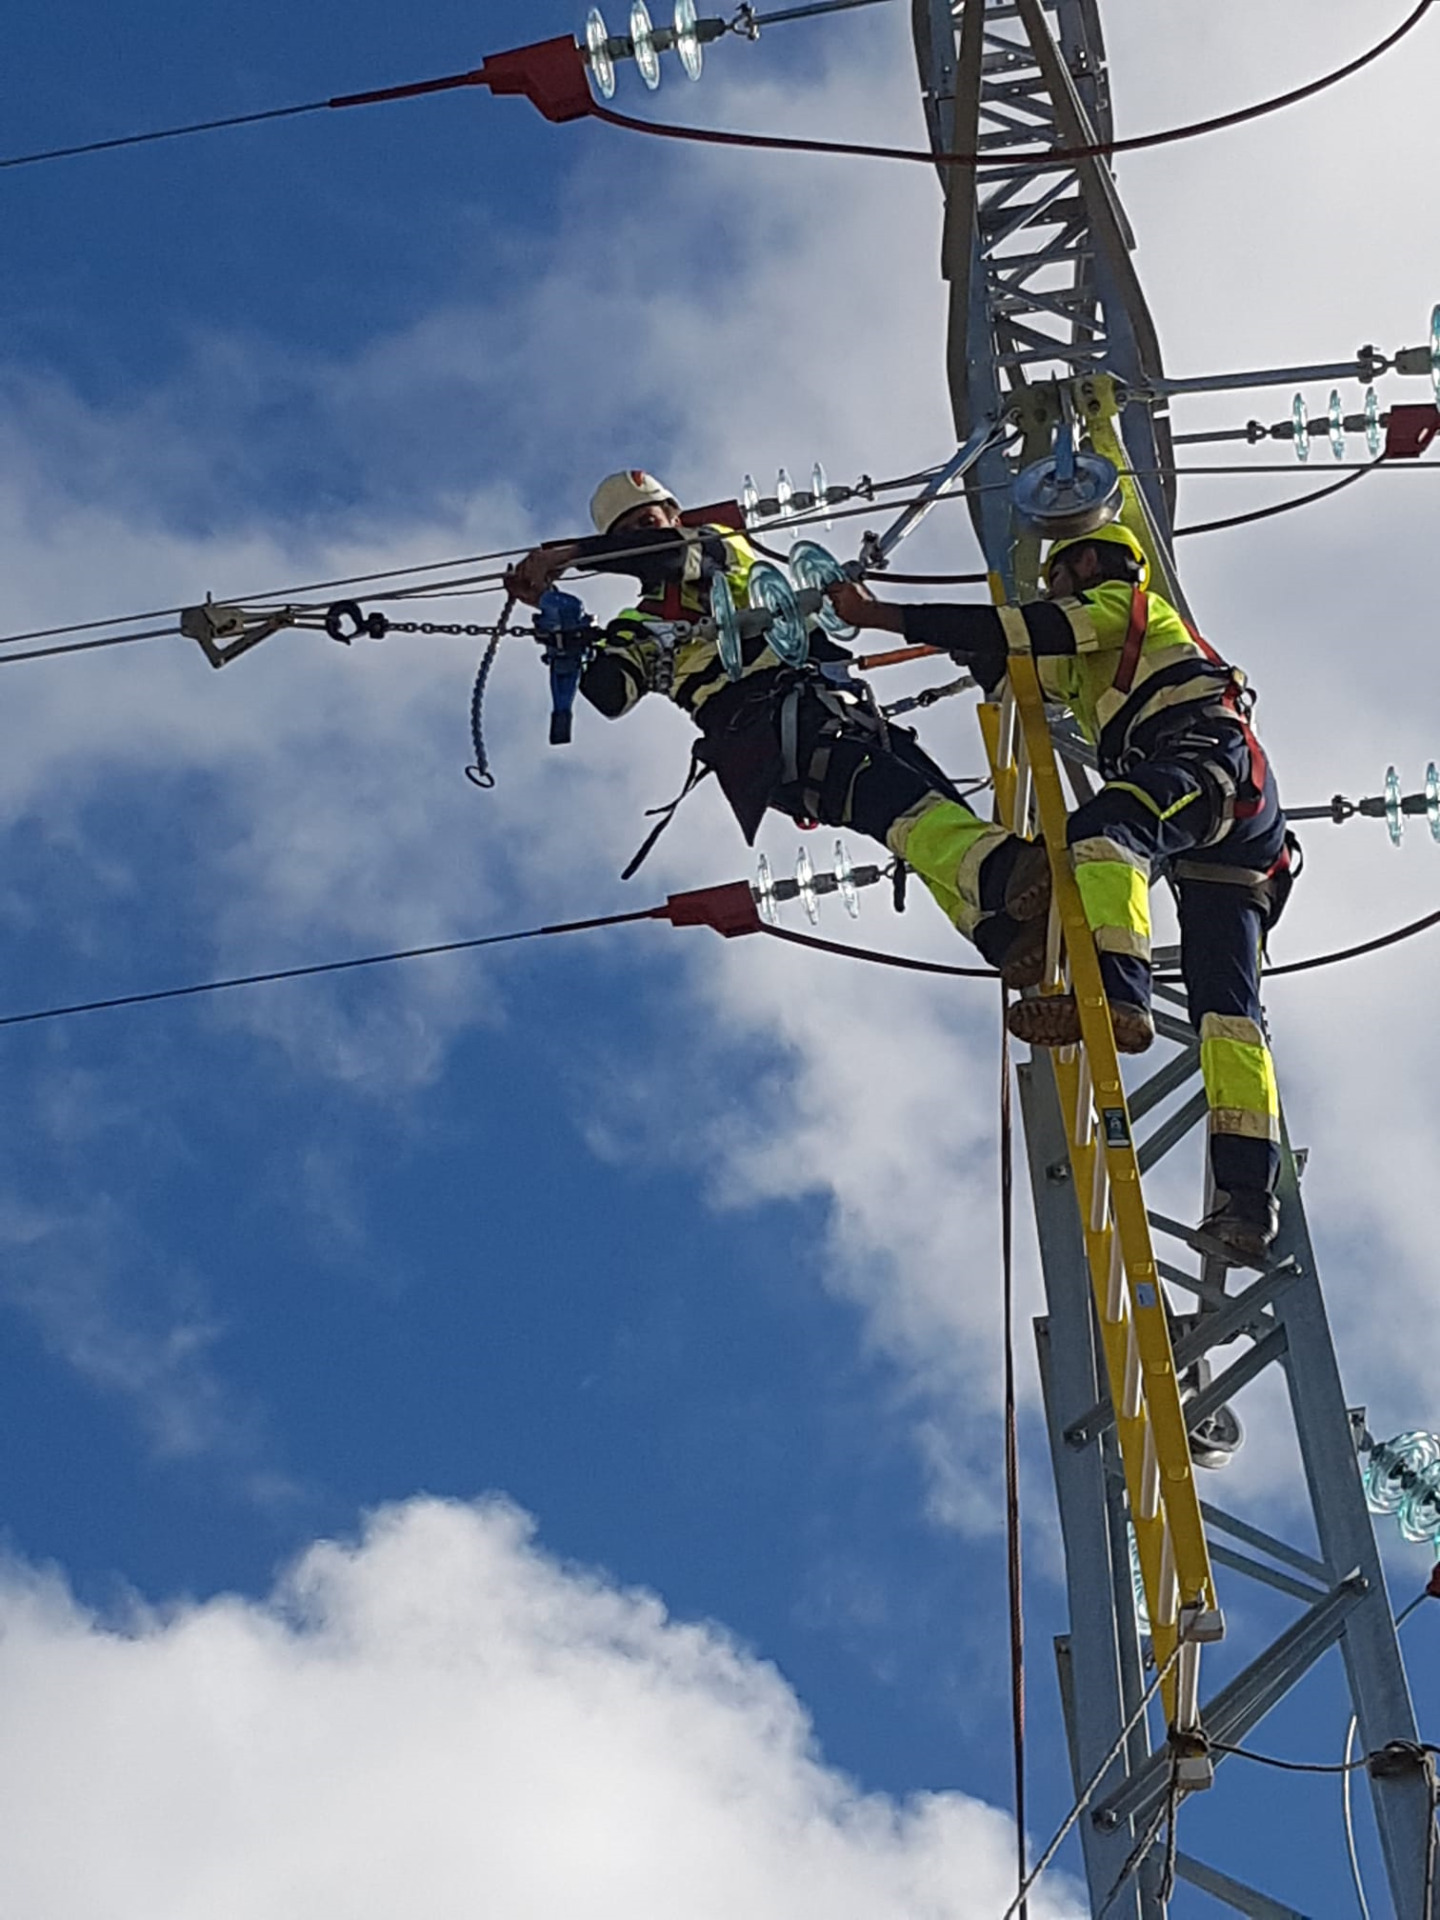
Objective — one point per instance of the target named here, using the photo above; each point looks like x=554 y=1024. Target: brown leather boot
x=1053 y=1020
x=1027 y=891
x=1027 y=901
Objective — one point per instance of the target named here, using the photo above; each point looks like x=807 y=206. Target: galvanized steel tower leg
x=1043 y=290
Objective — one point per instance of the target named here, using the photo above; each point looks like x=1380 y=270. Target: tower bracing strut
x=1048 y=327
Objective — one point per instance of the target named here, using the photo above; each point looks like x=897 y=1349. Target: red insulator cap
x=1409 y=431
x=551 y=75
x=1434 y=1587
x=729 y=909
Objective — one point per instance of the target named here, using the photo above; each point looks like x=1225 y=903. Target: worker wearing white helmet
x=1187 y=786
x=777 y=736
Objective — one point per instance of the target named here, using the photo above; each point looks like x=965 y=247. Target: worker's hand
x=858 y=607
x=533 y=576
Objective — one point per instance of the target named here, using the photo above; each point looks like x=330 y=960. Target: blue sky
x=686 y=1251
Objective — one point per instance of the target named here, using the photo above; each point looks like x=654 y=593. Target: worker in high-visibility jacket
x=1186 y=784
x=778 y=736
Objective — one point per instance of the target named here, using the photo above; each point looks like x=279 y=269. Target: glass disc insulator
x=764 y=892
x=687 y=40
x=1394 y=812
x=597 y=46
x=785 y=493
x=1432 y=799
x=1419 y=1517
x=749 y=495
x=1435 y=352
x=1373 y=438
x=812 y=565
x=805 y=881
x=1300 y=415
x=786 y=636
x=1395 y=1466
x=819 y=485
x=727 y=627
x=642 y=35
x=1335 y=422
x=845 y=881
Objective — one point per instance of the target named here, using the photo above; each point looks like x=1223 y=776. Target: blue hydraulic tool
x=567 y=633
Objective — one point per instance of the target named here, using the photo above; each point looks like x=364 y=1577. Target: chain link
x=468 y=628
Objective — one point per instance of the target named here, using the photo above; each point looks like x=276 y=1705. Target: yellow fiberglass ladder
x=1130 y=1307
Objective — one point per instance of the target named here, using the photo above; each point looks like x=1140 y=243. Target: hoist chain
x=475 y=632
x=347 y=621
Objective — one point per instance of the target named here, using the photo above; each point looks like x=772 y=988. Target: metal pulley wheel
x=1062 y=505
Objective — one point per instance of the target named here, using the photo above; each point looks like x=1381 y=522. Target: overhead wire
x=1282 y=506
x=1023 y=161
x=487 y=582
x=871 y=956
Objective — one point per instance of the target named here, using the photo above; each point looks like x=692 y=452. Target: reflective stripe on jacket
x=1089 y=680
x=641 y=646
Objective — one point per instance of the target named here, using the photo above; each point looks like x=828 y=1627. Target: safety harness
x=809 y=772
x=1235 y=700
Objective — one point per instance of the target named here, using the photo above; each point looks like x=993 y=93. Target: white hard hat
x=620 y=493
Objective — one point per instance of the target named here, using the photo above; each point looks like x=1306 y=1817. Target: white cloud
x=800 y=314
x=441 y=1719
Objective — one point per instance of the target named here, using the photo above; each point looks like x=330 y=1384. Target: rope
x=1052 y=157
x=1092 y=1787
x=480 y=773
x=1014 y=1569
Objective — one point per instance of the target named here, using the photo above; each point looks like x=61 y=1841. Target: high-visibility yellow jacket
x=643 y=651
x=1123 y=661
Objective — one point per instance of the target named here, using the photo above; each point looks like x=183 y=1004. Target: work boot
x=1053 y=1020
x=1244 y=1221
x=1013 y=937
x=1012 y=932
x=1027 y=891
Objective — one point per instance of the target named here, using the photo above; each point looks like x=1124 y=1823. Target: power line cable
x=1096 y=150
x=491 y=582
x=325 y=966
x=1052 y=157
x=1283 y=506
x=161 y=133
x=871 y=956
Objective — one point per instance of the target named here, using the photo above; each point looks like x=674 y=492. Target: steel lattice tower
x=1044 y=297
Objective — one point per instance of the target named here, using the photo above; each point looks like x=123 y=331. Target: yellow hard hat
x=621 y=493
x=1114 y=535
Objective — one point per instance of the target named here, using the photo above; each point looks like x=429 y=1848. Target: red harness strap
x=669 y=605
x=1134 y=640
x=1236 y=699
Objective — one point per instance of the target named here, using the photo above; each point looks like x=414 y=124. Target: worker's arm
x=619 y=675
x=657 y=557
x=972 y=634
